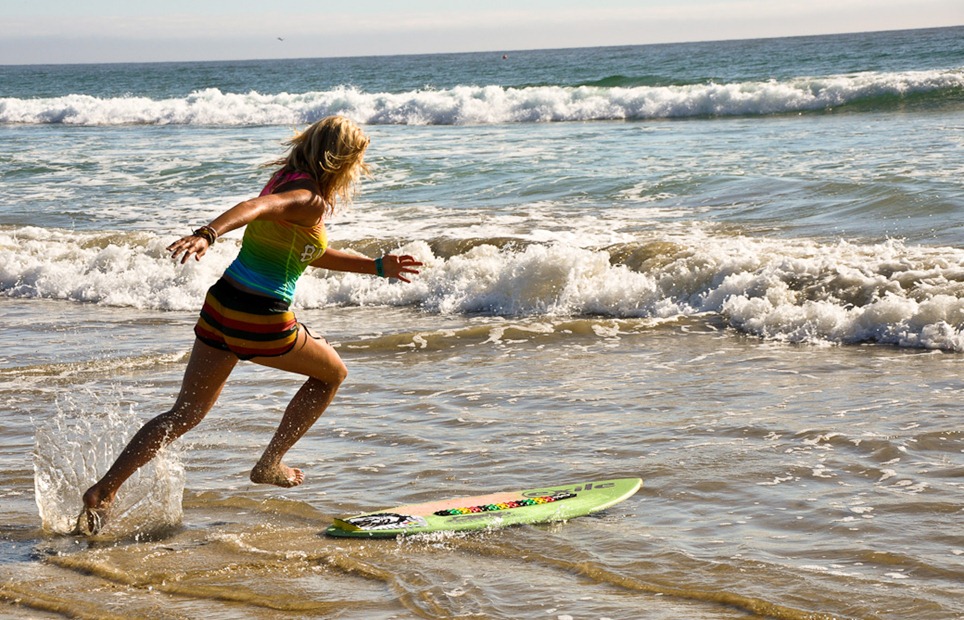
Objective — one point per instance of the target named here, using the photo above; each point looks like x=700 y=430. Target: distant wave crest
x=606 y=99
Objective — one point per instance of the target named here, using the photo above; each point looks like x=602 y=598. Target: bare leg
x=326 y=372
x=207 y=371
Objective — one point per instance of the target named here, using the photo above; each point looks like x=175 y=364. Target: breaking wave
x=616 y=98
x=788 y=290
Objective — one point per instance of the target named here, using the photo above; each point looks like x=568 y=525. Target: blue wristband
x=379 y=268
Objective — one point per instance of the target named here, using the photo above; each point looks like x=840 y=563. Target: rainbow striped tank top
x=274 y=254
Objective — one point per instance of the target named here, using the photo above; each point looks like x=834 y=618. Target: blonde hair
x=332 y=153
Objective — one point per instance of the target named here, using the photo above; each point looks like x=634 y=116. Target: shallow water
x=780 y=480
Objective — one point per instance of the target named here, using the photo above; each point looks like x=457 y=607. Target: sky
x=73 y=31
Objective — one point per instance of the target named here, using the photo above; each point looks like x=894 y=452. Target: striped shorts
x=246 y=324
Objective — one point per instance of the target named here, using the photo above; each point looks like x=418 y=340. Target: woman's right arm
x=299 y=205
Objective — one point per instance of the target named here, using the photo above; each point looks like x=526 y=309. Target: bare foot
x=94 y=515
x=279 y=475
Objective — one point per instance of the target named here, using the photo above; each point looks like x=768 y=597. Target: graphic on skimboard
x=540 y=505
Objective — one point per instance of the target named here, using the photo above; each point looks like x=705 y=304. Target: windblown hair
x=332 y=153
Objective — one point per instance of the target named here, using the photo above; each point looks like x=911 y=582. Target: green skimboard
x=540 y=505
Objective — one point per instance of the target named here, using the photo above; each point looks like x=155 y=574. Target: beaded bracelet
x=379 y=268
x=208 y=233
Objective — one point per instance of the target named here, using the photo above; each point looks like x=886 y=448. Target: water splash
x=77 y=446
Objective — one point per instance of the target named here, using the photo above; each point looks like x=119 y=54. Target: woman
x=246 y=313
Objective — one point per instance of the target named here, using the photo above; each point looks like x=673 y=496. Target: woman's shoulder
x=283 y=177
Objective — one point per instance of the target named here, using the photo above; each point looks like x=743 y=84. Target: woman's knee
x=328 y=365
x=340 y=372
x=182 y=418
x=333 y=373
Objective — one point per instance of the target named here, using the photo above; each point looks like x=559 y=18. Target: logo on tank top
x=309 y=253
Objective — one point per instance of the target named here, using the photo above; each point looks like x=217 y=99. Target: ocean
x=733 y=269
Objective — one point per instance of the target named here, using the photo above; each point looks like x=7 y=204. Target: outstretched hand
x=191 y=244
x=395 y=266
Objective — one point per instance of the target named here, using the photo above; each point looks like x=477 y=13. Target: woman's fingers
x=402 y=265
x=188 y=245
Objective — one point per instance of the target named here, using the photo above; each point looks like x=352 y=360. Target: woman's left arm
x=389 y=266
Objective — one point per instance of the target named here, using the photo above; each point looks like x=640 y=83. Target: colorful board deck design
x=540 y=505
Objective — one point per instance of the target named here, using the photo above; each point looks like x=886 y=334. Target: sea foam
x=799 y=290
x=492 y=104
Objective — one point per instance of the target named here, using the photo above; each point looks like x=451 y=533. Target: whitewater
x=466 y=104
x=797 y=292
